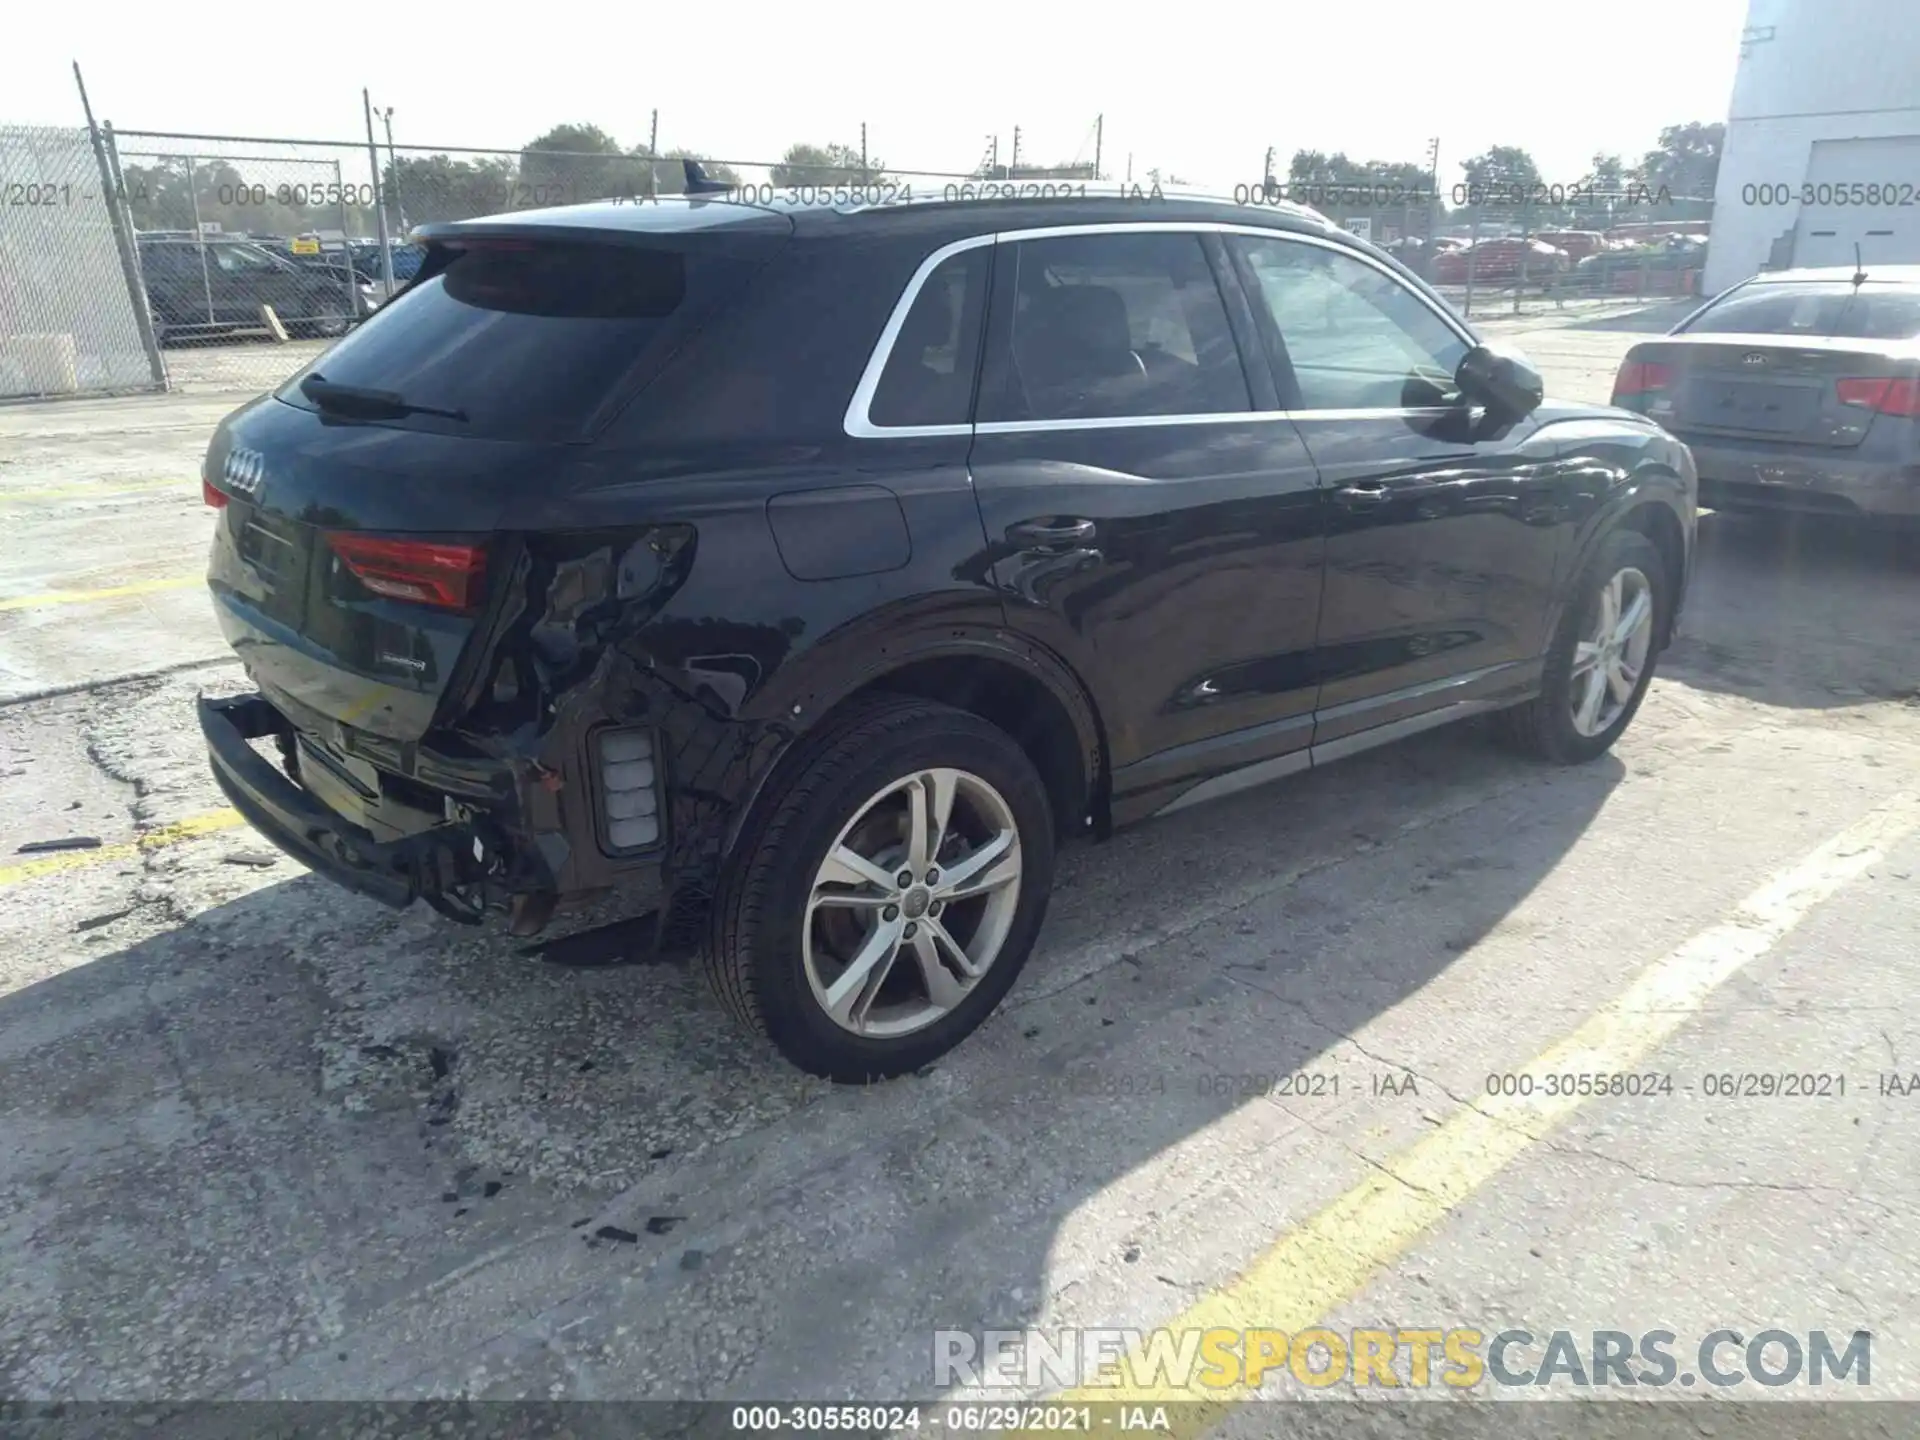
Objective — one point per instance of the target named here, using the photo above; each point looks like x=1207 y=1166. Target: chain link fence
x=70 y=317
x=159 y=260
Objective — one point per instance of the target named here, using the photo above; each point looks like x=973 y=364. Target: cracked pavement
x=261 y=1139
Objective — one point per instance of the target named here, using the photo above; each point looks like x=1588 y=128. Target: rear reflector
x=1885 y=394
x=1640 y=377
x=629 y=794
x=448 y=577
x=216 y=498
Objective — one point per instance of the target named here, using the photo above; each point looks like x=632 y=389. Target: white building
x=1826 y=103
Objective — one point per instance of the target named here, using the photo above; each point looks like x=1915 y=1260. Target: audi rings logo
x=1753 y=357
x=244 y=471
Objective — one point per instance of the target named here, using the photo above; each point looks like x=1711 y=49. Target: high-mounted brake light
x=1885 y=394
x=214 y=497
x=1641 y=377
x=448 y=577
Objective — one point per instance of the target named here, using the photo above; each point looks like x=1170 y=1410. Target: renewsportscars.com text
x=1210 y=1361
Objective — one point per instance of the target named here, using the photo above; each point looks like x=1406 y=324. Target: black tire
x=1543 y=727
x=331 y=328
x=753 y=958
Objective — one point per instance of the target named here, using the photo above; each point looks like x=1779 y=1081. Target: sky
x=1200 y=94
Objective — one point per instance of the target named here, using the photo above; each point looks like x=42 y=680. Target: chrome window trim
x=860 y=427
x=857 y=424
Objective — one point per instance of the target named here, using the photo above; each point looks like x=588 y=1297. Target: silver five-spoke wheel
x=1609 y=658
x=912 y=904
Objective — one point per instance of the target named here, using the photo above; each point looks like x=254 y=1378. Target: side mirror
x=1504 y=381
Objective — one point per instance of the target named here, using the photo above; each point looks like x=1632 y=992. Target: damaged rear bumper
x=394 y=872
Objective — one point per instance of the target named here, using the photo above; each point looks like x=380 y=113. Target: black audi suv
x=812 y=573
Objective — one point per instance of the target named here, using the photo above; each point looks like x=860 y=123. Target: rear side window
x=1115 y=326
x=930 y=370
x=1829 y=309
x=529 y=339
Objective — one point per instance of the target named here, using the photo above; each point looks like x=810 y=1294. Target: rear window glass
x=929 y=374
x=1874 y=312
x=528 y=339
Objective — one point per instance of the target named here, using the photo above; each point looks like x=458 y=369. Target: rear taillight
x=216 y=498
x=448 y=577
x=1884 y=394
x=1641 y=377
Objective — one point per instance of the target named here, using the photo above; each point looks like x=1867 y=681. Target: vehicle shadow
x=1805 y=611
x=296 y=1146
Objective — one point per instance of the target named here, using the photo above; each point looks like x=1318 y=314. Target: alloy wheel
x=1611 y=656
x=912 y=904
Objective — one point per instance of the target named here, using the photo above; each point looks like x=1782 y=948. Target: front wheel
x=888 y=899
x=1603 y=655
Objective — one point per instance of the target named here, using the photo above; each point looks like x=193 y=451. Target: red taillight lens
x=448 y=577
x=216 y=498
x=1885 y=394
x=1640 y=377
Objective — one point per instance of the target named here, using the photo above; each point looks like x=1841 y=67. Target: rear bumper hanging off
x=395 y=873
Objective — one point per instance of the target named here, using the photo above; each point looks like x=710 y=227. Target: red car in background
x=1578 y=244
x=1500 y=260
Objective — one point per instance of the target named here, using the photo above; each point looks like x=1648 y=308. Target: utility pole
x=863 y=152
x=1433 y=205
x=1129 y=167
x=1015 y=165
x=1099 y=133
x=993 y=161
x=379 y=202
x=393 y=172
x=1266 y=174
x=653 y=156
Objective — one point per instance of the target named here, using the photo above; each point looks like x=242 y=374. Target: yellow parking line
x=191 y=828
x=1327 y=1260
x=90 y=597
x=96 y=492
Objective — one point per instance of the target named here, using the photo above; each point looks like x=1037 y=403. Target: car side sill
x=1280 y=766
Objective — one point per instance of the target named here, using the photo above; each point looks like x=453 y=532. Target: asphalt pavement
x=1282 y=1064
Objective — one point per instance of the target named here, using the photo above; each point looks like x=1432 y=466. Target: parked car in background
x=1500 y=260
x=611 y=559
x=212 y=285
x=1668 y=265
x=1577 y=245
x=334 y=260
x=1797 y=390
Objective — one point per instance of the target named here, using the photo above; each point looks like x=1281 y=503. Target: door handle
x=1372 y=494
x=1362 y=497
x=1052 y=534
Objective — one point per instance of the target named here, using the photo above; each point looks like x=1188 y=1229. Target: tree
x=178 y=194
x=1686 y=163
x=1607 y=177
x=1311 y=169
x=826 y=165
x=572 y=163
x=670 y=176
x=438 y=187
x=1504 y=170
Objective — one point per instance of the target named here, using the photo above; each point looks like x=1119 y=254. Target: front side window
x=1355 y=337
x=1115 y=326
x=930 y=370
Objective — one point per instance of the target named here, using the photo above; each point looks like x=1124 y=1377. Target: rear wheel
x=1602 y=658
x=326 y=328
x=890 y=896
